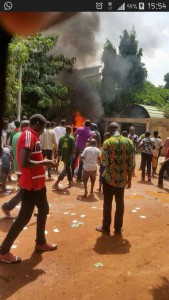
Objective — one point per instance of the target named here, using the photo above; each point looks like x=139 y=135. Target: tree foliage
x=122 y=71
x=166 y=79
x=41 y=88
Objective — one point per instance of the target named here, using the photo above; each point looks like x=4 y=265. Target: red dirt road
x=135 y=266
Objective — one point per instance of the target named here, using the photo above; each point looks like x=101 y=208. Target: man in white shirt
x=158 y=145
x=90 y=157
x=60 y=130
x=48 y=141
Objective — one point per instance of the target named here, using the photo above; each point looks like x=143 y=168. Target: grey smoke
x=77 y=38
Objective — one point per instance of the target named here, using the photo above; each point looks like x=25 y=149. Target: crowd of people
x=32 y=145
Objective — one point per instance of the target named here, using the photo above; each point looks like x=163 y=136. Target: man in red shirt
x=32 y=183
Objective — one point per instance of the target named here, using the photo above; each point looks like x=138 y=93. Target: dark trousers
x=14 y=201
x=80 y=169
x=164 y=167
x=47 y=154
x=30 y=199
x=108 y=192
x=66 y=171
x=146 y=161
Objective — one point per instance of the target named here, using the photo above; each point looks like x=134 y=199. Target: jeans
x=164 y=167
x=14 y=201
x=108 y=192
x=146 y=160
x=80 y=169
x=66 y=171
x=30 y=199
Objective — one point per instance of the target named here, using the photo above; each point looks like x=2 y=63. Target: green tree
x=132 y=71
x=109 y=77
x=166 y=79
x=18 y=54
x=41 y=87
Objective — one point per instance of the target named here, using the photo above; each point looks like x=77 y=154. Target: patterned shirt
x=117 y=157
x=147 y=145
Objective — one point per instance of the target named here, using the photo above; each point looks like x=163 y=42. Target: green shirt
x=117 y=157
x=14 y=151
x=66 y=147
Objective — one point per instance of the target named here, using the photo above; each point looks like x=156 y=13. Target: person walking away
x=134 y=138
x=65 y=152
x=48 y=141
x=147 y=146
x=5 y=157
x=15 y=130
x=32 y=183
x=60 y=130
x=117 y=157
x=158 y=145
x=90 y=157
x=96 y=134
x=82 y=134
x=10 y=205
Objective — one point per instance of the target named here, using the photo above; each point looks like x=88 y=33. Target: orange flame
x=79 y=120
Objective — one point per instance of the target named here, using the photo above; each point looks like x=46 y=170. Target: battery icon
x=141 y=5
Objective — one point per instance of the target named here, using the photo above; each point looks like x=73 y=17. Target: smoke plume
x=77 y=38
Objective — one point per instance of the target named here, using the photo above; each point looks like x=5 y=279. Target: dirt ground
x=135 y=265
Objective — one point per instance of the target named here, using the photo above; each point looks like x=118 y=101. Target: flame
x=79 y=120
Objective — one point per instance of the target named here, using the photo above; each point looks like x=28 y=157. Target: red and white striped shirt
x=31 y=178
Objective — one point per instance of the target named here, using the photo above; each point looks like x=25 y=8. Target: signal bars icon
x=122 y=7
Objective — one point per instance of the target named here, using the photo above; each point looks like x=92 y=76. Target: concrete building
x=144 y=118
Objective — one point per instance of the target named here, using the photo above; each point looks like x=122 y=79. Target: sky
x=84 y=35
x=152 y=29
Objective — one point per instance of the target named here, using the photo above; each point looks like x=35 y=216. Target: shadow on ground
x=161 y=292
x=112 y=245
x=17 y=276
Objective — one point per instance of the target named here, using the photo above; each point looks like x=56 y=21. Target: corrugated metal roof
x=153 y=111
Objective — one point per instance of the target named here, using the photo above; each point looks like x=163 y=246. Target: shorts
x=89 y=174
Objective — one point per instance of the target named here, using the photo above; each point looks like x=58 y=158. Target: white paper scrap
x=56 y=230
x=46 y=232
x=75 y=225
x=143 y=217
x=81 y=223
x=66 y=213
x=98 y=265
x=134 y=210
x=14 y=246
x=74 y=221
x=94 y=207
x=82 y=216
x=25 y=228
x=73 y=214
x=137 y=208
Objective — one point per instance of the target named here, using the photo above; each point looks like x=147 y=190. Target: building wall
x=153 y=124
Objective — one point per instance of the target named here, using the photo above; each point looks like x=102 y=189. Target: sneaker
x=6 y=212
x=100 y=229
x=45 y=247
x=118 y=231
x=9 y=258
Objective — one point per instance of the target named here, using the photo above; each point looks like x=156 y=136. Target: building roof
x=141 y=111
x=153 y=111
x=89 y=72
